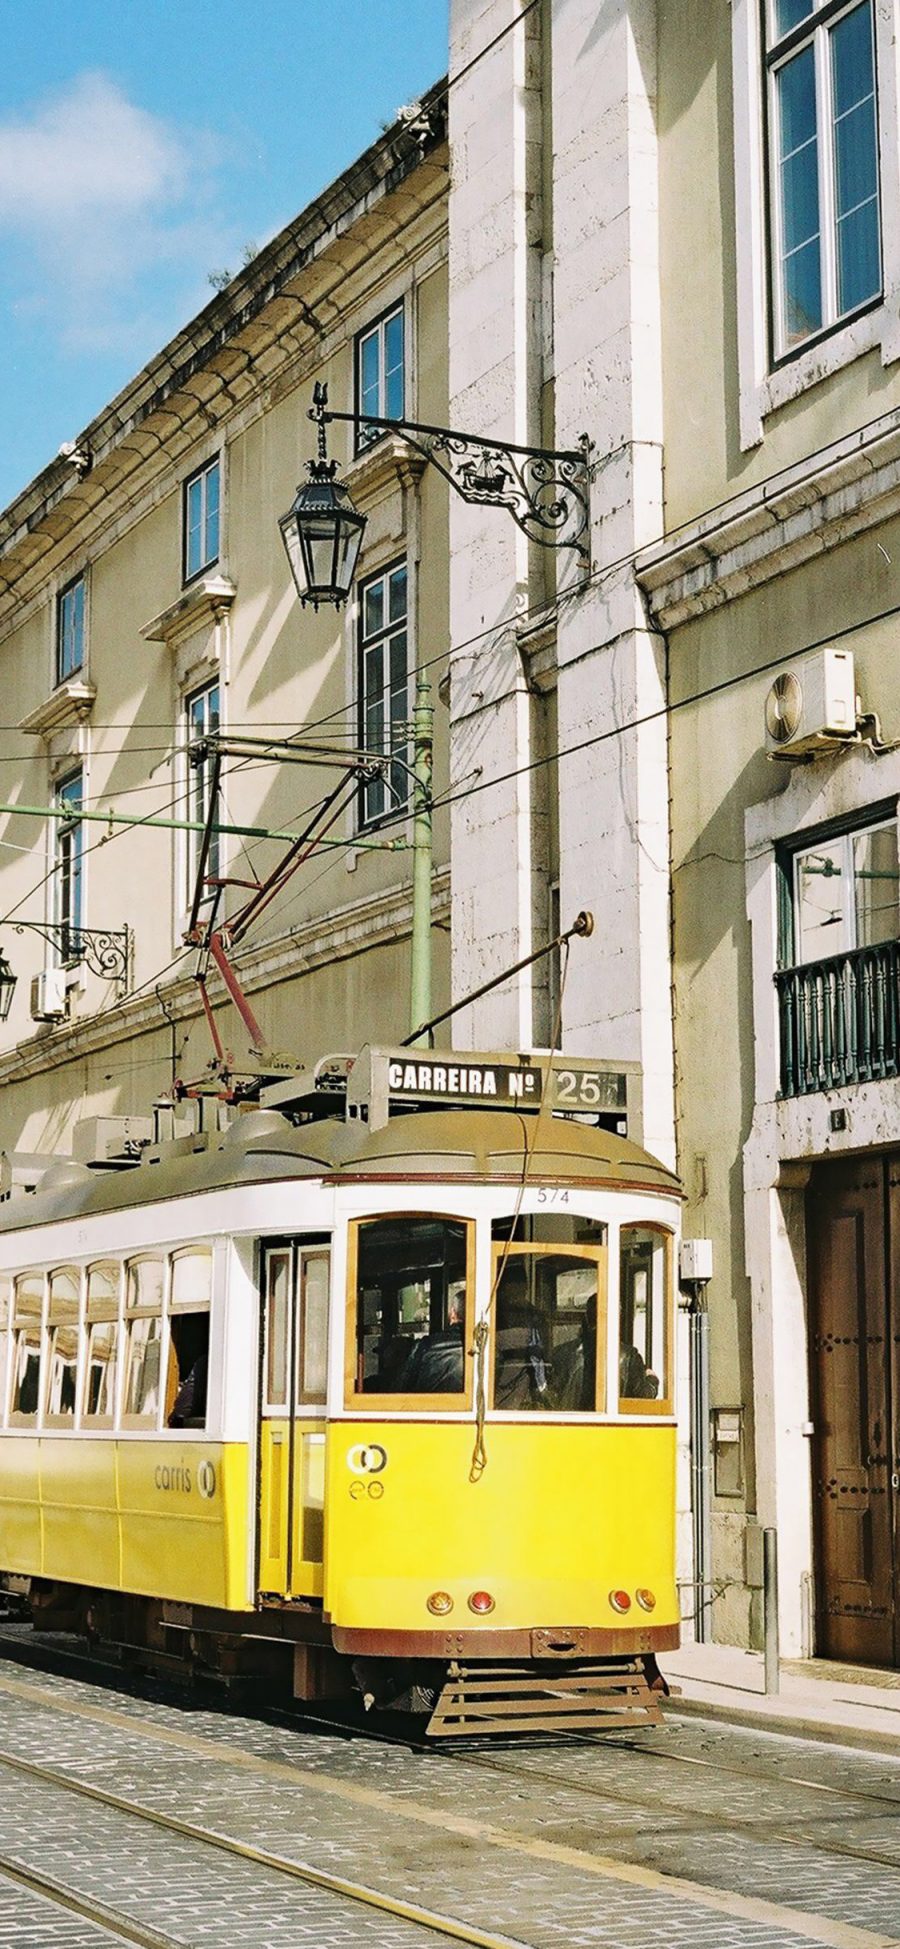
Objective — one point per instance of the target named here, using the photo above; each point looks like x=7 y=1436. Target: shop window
x=62 y=1345
x=409 y=1292
x=144 y=1284
x=102 y=1333
x=645 y=1320
x=189 y=1315
x=28 y=1301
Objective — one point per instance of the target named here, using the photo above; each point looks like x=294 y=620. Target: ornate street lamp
x=8 y=984
x=323 y=530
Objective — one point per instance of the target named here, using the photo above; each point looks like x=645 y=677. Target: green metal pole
x=420 y=971
x=113 y=819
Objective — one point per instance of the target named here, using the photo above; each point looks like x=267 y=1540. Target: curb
x=823 y=1733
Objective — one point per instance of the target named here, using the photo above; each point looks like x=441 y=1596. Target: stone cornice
x=824 y=500
x=376 y=922
x=207 y=600
x=70 y=703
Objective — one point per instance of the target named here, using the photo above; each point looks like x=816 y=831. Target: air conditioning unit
x=812 y=705
x=48 y=995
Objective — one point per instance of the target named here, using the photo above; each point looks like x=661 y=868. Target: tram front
x=500 y=1462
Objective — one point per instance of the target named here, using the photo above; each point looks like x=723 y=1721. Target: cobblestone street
x=698 y=1836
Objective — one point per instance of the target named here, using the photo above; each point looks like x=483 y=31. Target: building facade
x=146 y=603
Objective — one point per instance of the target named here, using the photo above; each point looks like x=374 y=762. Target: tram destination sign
x=386 y=1078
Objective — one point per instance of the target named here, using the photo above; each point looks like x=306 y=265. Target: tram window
x=546 y=1308
x=278 y=1299
x=98 y=1401
x=312 y=1337
x=26 y=1353
x=62 y=1344
x=189 y=1302
x=410 y=1307
x=644 y=1326
x=144 y=1281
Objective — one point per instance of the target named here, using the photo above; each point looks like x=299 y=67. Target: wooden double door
x=853 y=1252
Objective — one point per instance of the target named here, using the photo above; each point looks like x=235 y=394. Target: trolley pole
x=420 y=972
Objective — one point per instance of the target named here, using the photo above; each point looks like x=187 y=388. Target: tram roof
x=262 y=1147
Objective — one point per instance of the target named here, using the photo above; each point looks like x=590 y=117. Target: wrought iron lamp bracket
x=546 y=492
x=105 y=951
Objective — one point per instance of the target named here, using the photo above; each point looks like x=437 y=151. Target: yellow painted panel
x=81 y=1518
x=184 y=1513
x=559 y=1518
x=308 y=1510
x=20 y=1515
x=274 y=1463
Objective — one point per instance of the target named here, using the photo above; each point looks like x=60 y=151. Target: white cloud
x=108 y=220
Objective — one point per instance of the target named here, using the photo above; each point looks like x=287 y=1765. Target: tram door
x=292 y=1421
x=853 y=1235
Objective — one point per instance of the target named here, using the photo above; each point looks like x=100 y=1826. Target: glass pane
x=397 y=596
x=191 y=1280
x=855 y=159
x=643 y=1321
x=26 y=1370
x=410 y=1306
x=65 y=1287
x=144 y=1283
x=545 y=1351
x=102 y=1290
x=142 y=1377
x=278 y=1292
x=313 y=1352
x=194 y=526
x=875 y=886
x=211 y=529
x=819 y=890
x=28 y=1298
x=368 y=377
x=4 y=1365
x=373 y=608
x=798 y=170
x=789 y=13
x=100 y=1377
x=393 y=367
x=62 y=1363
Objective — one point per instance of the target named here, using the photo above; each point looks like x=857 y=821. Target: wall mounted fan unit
x=811 y=707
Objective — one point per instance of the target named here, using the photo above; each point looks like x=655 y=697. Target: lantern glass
x=322 y=534
x=8 y=982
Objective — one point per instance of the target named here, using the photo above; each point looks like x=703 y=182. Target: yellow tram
x=377 y=1383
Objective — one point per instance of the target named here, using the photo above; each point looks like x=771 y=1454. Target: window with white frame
x=823 y=160
x=379 y=373
x=384 y=690
x=201 y=720
x=69 y=877
x=201 y=519
x=70 y=630
x=842 y=893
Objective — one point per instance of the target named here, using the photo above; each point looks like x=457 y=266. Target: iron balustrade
x=840 y=1020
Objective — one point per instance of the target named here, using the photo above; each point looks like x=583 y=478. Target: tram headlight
x=646 y=1600
x=481 y=1602
x=620 y=1601
x=440 y=1602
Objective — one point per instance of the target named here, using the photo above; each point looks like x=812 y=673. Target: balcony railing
x=840 y=1020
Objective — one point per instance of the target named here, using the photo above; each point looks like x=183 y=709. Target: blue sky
x=145 y=144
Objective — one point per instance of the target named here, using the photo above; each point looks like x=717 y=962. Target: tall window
x=379 y=373
x=69 y=863
x=201 y=519
x=824 y=164
x=202 y=719
x=384 y=689
x=70 y=630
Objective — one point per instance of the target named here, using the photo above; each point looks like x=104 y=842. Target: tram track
x=87 y=1908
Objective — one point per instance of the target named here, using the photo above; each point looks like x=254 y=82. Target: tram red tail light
x=620 y=1600
x=646 y=1600
x=439 y=1603
x=481 y=1602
